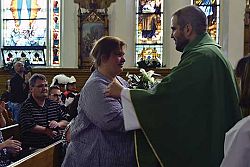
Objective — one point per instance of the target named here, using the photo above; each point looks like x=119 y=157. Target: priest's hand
x=114 y=89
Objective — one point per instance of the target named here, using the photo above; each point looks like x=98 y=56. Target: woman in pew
x=9 y=146
x=98 y=137
x=237 y=140
x=242 y=73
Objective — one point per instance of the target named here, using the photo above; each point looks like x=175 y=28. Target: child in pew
x=8 y=147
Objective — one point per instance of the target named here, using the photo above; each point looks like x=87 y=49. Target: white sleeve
x=236 y=146
x=130 y=119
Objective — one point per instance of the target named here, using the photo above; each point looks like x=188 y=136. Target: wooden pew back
x=12 y=130
x=50 y=156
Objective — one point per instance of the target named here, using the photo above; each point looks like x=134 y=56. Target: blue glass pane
x=34 y=35
x=149 y=6
x=205 y=2
x=212 y=9
x=24 y=22
x=149 y=29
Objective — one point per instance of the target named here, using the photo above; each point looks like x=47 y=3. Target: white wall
x=122 y=24
x=121 y=21
x=69 y=37
x=232 y=26
x=171 y=57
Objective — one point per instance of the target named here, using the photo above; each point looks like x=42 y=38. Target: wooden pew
x=12 y=130
x=50 y=156
x=81 y=75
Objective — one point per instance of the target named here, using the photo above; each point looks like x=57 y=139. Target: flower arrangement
x=10 y=65
x=144 y=80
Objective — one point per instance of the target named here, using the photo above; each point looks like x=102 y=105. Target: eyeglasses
x=56 y=95
x=41 y=86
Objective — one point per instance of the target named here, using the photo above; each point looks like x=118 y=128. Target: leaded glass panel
x=27 y=24
x=24 y=22
x=149 y=30
x=55 y=40
x=212 y=10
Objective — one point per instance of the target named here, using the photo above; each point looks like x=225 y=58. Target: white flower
x=150 y=73
x=144 y=81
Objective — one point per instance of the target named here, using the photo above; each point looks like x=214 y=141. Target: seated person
x=60 y=80
x=6 y=114
x=236 y=145
x=72 y=108
x=71 y=91
x=40 y=118
x=9 y=146
x=55 y=95
x=72 y=112
x=242 y=73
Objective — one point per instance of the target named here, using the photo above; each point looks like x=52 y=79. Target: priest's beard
x=181 y=43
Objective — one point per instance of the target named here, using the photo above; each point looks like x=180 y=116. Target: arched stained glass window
x=149 y=33
x=25 y=30
x=212 y=11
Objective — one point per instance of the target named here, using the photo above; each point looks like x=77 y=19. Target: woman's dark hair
x=104 y=47
x=242 y=71
x=72 y=108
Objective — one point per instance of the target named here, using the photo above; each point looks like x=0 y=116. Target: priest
x=183 y=120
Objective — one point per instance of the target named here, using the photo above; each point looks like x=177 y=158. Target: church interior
x=66 y=54
x=55 y=37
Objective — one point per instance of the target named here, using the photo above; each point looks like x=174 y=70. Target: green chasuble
x=186 y=116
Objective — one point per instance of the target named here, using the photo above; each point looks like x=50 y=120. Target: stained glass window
x=212 y=11
x=149 y=32
x=25 y=29
x=55 y=23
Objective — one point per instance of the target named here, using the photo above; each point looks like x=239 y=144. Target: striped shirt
x=98 y=138
x=31 y=114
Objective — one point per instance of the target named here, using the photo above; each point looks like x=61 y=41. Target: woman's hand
x=13 y=146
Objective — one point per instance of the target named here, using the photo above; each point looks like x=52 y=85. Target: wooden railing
x=50 y=156
x=12 y=130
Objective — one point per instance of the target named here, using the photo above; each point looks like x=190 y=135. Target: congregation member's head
x=19 y=67
x=242 y=73
x=55 y=93
x=71 y=85
x=108 y=54
x=186 y=24
x=38 y=86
